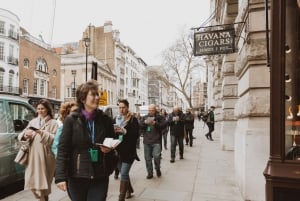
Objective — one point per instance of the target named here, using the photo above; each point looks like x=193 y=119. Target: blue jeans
x=152 y=151
x=88 y=189
x=124 y=169
x=174 y=141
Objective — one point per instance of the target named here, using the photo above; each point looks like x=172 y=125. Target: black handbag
x=110 y=161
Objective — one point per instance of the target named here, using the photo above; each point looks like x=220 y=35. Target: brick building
x=39 y=69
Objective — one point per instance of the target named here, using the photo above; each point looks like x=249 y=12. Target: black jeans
x=189 y=136
x=211 y=128
x=82 y=189
x=174 y=141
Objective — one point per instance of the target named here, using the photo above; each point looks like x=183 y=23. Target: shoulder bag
x=23 y=153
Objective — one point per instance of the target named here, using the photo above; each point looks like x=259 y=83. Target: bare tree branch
x=178 y=62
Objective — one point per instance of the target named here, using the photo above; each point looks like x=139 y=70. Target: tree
x=178 y=64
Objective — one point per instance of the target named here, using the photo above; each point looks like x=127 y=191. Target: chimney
x=107 y=27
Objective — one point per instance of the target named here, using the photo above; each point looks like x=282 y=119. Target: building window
x=11 y=51
x=35 y=87
x=26 y=63
x=2 y=51
x=70 y=92
x=1 y=79
x=54 y=72
x=42 y=88
x=25 y=86
x=41 y=65
x=2 y=29
x=54 y=92
x=10 y=81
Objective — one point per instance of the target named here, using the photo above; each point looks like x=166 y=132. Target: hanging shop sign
x=214 y=42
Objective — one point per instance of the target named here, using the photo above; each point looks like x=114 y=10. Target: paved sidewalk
x=205 y=174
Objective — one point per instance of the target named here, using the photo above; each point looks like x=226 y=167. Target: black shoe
x=181 y=157
x=211 y=139
x=206 y=135
x=158 y=173
x=172 y=161
x=186 y=144
x=149 y=176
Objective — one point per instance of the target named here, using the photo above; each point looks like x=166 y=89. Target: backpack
x=204 y=116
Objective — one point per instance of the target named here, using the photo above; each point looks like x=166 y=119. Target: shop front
x=282 y=172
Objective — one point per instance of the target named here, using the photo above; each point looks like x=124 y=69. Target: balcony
x=10 y=89
x=12 y=60
x=14 y=35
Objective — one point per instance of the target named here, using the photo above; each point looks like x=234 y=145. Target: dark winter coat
x=176 y=128
x=189 y=121
x=73 y=158
x=127 y=148
x=153 y=136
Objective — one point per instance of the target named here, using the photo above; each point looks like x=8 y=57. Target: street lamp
x=74 y=84
x=86 y=44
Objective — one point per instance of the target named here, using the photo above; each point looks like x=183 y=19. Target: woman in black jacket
x=80 y=165
x=127 y=129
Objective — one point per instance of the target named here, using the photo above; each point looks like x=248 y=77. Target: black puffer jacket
x=73 y=158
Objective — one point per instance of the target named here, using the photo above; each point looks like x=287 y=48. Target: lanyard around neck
x=91 y=125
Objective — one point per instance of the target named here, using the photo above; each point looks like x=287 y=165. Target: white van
x=144 y=110
x=111 y=110
x=16 y=112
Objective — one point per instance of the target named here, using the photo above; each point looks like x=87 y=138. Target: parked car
x=111 y=110
x=16 y=112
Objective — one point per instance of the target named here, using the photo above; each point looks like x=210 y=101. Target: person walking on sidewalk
x=127 y=129
x=176 y=123
x=41 y=162
x=81 y=163
x=152 y=125
x=210 y=123
x=165 y=131
x=64 y=111
x=189 y=127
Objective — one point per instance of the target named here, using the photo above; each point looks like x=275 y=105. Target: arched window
x=41 y=65
x=26 y=63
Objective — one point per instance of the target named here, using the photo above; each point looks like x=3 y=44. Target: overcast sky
x=147 y=26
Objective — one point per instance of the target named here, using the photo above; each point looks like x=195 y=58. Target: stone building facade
x=73 y=69
x=9 y=52
x=130 y=69
x=239 y=87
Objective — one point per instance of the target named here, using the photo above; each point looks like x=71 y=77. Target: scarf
x=122 y=121
x=90 y=116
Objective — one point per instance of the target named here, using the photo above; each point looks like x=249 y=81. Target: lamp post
x=74 y=84
x=86 y=44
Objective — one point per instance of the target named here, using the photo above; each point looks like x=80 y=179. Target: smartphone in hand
x=33 y=128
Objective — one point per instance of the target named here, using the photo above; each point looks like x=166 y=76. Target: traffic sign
x=103 y=98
